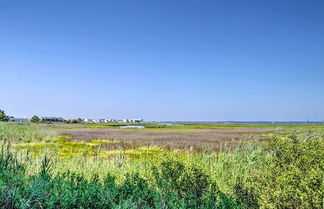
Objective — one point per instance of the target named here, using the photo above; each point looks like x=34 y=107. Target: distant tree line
x=35 y=119
x=3 y=116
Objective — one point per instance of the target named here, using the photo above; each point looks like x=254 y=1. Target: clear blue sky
x=163 y=60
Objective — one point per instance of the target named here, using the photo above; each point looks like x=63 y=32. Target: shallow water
x=132 y=126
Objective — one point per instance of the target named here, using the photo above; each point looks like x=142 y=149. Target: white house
x=87 y=120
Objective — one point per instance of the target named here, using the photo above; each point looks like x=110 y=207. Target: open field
x=197 y=139
x=186 y=137
x=188 y=166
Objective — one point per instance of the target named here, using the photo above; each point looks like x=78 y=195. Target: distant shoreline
x=251 y=122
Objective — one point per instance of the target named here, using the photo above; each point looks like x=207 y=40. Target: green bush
x=35 y=119
x=189 y=184
x=3 y=116
x=294 y=178
x=291 y=177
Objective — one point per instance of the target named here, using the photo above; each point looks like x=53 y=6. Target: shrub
x=190 y=184
x=293 y=176
x=35 y=119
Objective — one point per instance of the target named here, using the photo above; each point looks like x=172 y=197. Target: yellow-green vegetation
x=65 y=147
x=285 y=173
x=138 y=153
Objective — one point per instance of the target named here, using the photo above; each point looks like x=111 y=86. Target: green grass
x=24 y=132
x=286 y=173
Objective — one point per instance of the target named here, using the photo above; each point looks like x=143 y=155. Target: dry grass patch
x=197 y=140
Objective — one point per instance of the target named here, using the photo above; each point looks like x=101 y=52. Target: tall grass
x=22 y=132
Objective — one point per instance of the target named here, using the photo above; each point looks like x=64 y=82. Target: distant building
x=137 y=120
x=52 y=119
x=131 y=120
x=110 y=120
x=102 y=120
x=20 y=120
x=87 y=120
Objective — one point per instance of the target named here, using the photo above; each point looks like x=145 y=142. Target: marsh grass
x=22 y=132
x=287 y=172
x=197 y=140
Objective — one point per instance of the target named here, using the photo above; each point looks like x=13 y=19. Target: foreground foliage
x=294 y=177
x=175 y=186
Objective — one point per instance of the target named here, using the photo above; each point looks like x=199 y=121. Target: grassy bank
x=287 y=173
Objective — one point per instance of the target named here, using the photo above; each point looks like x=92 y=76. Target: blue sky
x=163 y=60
